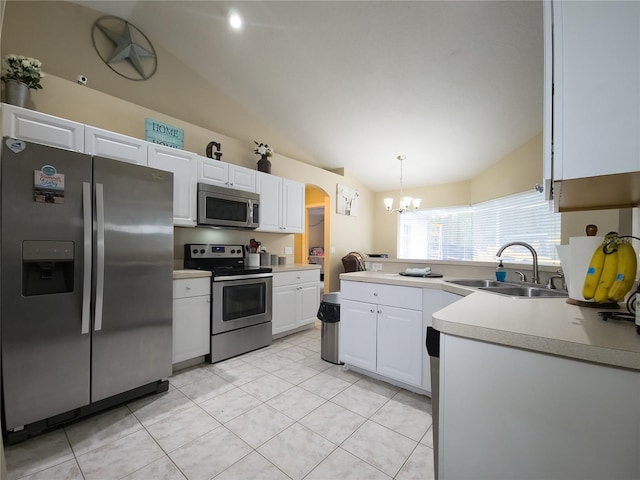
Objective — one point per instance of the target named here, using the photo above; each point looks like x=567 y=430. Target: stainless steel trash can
x=329 y=315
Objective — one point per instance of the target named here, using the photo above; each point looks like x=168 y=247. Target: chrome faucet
x=528 y=247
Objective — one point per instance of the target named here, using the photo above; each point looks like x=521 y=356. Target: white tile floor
x=277 y=413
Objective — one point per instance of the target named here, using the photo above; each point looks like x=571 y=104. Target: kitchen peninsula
x=530 y=388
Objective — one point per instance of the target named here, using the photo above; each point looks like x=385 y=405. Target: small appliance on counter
x=240 y=298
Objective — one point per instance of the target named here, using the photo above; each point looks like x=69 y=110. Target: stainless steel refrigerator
x=85 y=283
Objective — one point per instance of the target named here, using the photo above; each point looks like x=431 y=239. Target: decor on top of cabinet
x=265 y=151
x=21 y=74
x=211 y=153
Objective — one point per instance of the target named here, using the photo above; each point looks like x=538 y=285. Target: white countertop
x=190 y=273
x=193 y=273
x=293 y=268
x=547 y=325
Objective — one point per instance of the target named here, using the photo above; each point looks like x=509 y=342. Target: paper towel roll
x=582 y=249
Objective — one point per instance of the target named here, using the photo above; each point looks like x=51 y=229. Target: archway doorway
x=313 y=246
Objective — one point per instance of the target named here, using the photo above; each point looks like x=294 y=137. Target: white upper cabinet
x=108 y=144
x=183 y=165
x=596 y=97
x=216 y=172
x=42 y=128
x=270 y=189
x=281 y=204
x=293 y=206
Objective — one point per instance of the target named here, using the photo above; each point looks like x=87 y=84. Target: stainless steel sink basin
x=528 y=292
x=472 y=282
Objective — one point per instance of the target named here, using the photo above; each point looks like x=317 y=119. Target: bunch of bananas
x=612 y=270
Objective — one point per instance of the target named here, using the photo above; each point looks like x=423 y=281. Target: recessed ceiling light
x=235 y=20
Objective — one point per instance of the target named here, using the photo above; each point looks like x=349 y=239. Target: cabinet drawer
x=395 y=296
x=295 y=277
x=191 y=287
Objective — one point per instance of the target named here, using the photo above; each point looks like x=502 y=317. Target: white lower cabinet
x=512 y=413
x=383 y=337
x=296 y=298
x=191 y=318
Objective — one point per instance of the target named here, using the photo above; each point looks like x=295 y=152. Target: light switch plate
x=288 y=250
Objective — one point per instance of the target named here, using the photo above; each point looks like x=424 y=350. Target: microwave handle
x=250 y=210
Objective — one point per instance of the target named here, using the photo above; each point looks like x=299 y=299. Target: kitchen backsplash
x=273 y=242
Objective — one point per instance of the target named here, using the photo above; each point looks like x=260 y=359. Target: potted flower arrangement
x=265 y=151
x=20 y=74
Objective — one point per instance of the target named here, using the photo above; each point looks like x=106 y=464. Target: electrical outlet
x=376 y=267
x=288 y=250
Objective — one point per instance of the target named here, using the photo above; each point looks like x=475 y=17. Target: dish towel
x=418 y=271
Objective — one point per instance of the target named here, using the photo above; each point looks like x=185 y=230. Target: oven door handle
x=250 y=276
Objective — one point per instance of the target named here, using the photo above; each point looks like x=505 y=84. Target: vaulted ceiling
x=454 y=86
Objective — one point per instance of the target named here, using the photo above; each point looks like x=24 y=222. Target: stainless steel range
x=240 y=299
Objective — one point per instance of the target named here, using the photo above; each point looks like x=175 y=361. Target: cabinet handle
x=379 y=312
x=375 y=294
x=208 y=299
x=373 y=310
x=188 y=287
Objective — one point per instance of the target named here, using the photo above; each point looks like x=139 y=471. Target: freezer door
x=45 y=355
x=133 y=277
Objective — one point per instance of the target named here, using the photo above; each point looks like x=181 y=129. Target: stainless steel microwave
x=227 y=208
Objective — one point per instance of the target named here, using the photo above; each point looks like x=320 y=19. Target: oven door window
x=223 y=209
x=244 y=300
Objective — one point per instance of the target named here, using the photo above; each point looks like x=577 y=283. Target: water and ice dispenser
x=47 y=267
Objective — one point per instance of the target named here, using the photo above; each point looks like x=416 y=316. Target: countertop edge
x=548 y=326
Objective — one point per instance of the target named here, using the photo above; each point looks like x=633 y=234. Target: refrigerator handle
x=86 y=280
x=99 y=256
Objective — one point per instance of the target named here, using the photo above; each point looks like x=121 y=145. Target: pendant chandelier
x=405 y=202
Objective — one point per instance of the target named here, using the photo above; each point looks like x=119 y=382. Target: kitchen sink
x=472 y=282
x=511 y=289
x=528 y=292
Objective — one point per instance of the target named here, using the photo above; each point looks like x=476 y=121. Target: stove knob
x=195 y=250
x=202 y=251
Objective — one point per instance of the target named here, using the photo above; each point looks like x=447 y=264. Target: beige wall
x=517 y=172
x=62 y=41
x=59 y=35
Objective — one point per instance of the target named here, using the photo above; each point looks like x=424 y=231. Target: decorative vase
x=16 y=93
x=264 y=165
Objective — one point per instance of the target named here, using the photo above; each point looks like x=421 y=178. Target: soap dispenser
x=501 y=273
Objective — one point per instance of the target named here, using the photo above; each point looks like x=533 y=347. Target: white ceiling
x=452 y=85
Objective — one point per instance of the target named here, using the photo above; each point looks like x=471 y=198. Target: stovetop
x=221 y=260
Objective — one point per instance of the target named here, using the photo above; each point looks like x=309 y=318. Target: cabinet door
x=358 y=332
x=293 y=206
x=284 y=309
x=597 y=88
x=183 y=165
x=41 y=128
x=241 y=178
x=309 y=301
x=191 y=328
x=113 y=145
x=399 y=347
x=557 y=401
x=269 y=188
x=213 y=172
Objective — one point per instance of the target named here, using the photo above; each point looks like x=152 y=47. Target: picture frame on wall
x=347 y=200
